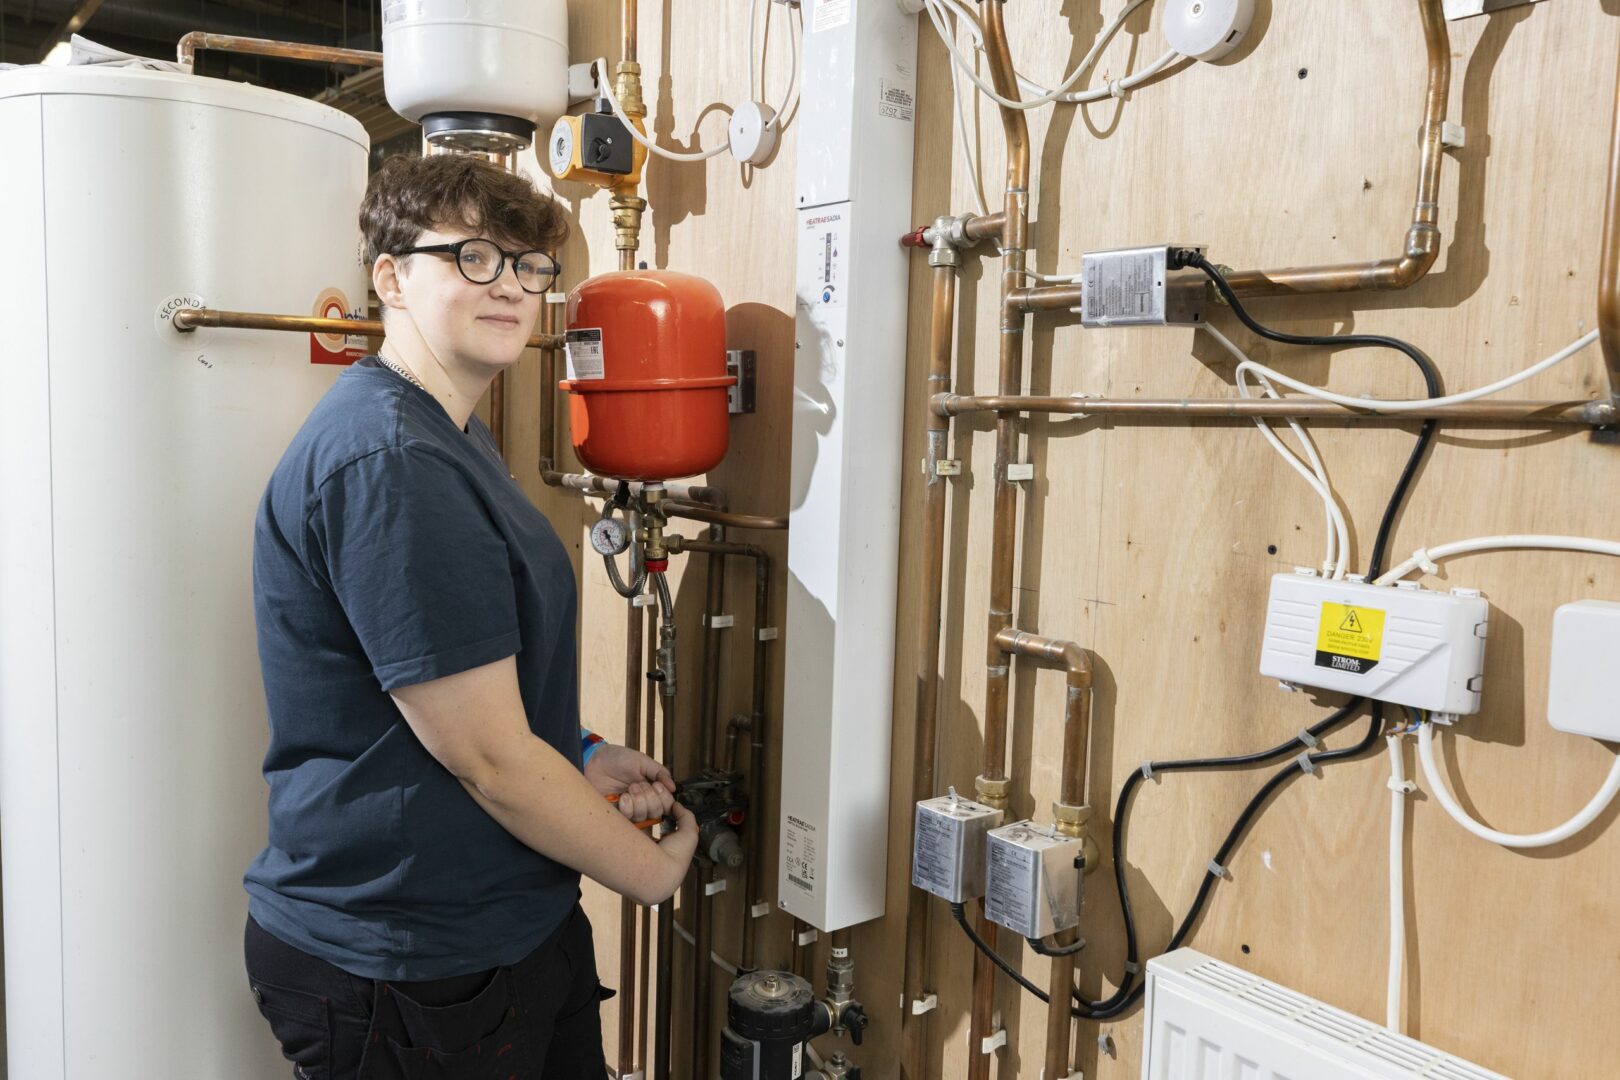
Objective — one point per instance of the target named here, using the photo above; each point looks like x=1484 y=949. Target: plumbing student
x=433 y=798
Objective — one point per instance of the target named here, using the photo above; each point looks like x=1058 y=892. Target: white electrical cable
x=1384 y=405
x=1424 y=558
x=1442 y=794
x=937 y=9
x=1399 y=788
x=1337 y=527
x=605 y=85
x=790 y=96
x=970 y=160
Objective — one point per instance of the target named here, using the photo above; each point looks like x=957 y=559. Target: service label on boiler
x=1349 y=638
x=583 y=349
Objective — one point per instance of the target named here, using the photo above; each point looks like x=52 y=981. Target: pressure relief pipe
x=930 y=562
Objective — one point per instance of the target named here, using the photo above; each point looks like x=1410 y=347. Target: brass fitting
x=627 y=208
x=992 y=793
x=1072 y=821
x=653 y=522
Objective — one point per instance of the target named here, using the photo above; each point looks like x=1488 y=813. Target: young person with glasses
x=433 y=798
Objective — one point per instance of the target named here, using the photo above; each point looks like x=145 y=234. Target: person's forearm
x=539 y=797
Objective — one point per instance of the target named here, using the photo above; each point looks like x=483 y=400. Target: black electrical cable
x=1129 y=991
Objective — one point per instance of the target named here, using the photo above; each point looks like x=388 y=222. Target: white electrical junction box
x=1580 y=680
x=1403 y=644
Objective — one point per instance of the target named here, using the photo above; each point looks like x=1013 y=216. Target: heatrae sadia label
x=1349 y=638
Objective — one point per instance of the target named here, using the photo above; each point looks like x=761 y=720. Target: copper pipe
x=681 y=509
x=1609 y=266
x=1046 y=298
x=196 y=41
x=708 y=698
x=1076 y=662
x=1500 y=412
x=627 y=30
x=985 y=227
x=548 y=395
x=930 y=571
x=188 y=319
x=1422 y=246
x=754 y=724
x=663 y=1023
x=627 y=908
x=651 y=649
x=992 y=785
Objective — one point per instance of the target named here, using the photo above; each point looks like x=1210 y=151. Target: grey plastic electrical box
x=1033 y=885
x=1136 y=287
x=947 y=851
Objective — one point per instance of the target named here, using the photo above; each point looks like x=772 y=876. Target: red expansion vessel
x=647 y=380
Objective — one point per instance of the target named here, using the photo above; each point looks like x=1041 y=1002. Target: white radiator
x=1211 y=1021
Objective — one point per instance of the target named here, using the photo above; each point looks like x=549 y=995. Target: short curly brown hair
x=409 y=195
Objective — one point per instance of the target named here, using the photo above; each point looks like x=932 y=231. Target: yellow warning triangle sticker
x=1351 y=623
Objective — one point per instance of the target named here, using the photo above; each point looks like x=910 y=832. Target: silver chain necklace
x=402 y=371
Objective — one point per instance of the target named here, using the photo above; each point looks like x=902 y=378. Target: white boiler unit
x=132 y=459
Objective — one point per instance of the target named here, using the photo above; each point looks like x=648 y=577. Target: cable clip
x=1118 y=90
x=1306 y=765
x=1147 y=770
x=1218 y=870
x=1308 y=739
x=1132 y=968
x=1426 y=564
x=1403 y=787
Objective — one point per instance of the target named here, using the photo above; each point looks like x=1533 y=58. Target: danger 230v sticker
x=1349 y=638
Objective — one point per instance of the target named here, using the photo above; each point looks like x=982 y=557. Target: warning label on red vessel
x=583 y=349
x=336 y=348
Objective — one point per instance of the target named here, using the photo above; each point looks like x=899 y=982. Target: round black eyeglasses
x=481 y=262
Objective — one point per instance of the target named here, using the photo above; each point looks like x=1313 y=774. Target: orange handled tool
x=649 y=823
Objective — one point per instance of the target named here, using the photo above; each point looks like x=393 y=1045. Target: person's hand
x=644 y=787
x=678 y=847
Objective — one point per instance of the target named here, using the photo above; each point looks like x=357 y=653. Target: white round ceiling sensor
x=1207 y=29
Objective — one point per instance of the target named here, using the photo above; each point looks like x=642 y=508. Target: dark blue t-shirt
x=393 y=548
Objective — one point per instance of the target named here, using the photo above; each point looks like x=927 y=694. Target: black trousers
x=537 y=1019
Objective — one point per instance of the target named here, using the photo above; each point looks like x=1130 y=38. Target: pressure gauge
x=609 y=536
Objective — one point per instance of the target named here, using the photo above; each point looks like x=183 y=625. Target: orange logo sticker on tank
x=336 y=348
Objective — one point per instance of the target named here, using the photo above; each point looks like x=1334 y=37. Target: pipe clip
x=1453 y=136
x=766 y=633
x=760 y=910
x=993 y=1041
x=719 y=622
x=808 y=937
x=945 y=467
x=711 y=888
x=925 y=1004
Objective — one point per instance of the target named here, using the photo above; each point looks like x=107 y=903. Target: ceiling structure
x=29 y=28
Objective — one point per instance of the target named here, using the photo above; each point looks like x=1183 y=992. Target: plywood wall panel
x=1149 y=541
